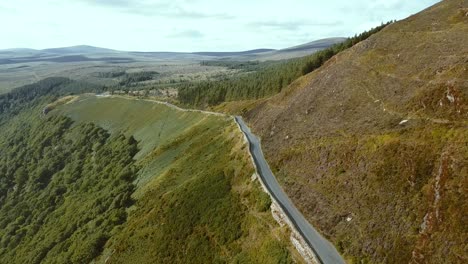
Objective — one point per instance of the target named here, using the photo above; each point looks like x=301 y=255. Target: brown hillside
x=373 y=146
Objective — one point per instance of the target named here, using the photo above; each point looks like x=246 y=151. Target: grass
x=237 y=107
x=195 y=201
x=151 y=124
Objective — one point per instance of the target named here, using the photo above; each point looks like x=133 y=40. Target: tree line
x=264 y=82
x=16 y=100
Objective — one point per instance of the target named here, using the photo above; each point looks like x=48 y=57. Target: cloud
x=291 y=25
x=388 y=4
x=180 y=12
x=6 y=9
x=113 y=3
x=150 y=25
x=166 y=9
x=187 y=34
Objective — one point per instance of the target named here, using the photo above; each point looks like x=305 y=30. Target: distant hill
x=300 y=50
x=16 y=53
x=63 y=59
x=25 y=66
x=372 y=146
x=18 y=50
x=281 y=54
x=81 y=49
x=256 y=54
x=239 y=53
x=317 y=44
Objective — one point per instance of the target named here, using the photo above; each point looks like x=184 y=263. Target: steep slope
x=194 y=198
x=373 y=145
x=64 y=188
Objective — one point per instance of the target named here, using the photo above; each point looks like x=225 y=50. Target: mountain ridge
x=88 y=49
x=79 y=49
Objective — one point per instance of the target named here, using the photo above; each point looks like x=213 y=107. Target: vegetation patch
x=64 y=100
x=382 y=185
x=63 y=188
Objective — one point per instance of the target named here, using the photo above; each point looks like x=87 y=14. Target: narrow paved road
x=324 y=250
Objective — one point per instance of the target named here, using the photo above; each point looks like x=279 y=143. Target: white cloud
x=183 y=25
x=186 y=34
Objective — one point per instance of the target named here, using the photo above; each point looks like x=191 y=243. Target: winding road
x=324 y=250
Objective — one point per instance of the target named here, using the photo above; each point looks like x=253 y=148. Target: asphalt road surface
x=324 y=250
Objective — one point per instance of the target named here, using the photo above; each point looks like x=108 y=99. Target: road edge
x=306 y=251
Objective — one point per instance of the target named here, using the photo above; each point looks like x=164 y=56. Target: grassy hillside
x=195 y=201
x=372 y=146
x=149 y=122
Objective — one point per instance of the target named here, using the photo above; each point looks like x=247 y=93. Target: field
x=170 y=72
x=100 y=66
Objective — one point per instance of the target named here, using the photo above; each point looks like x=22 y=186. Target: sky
x=195 y=25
